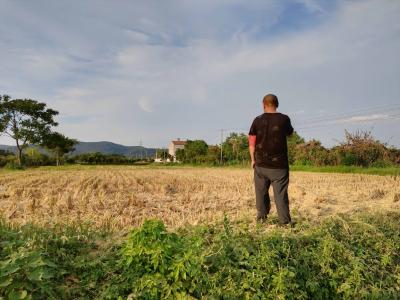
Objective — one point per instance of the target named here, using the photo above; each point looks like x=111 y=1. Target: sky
x=150 y=71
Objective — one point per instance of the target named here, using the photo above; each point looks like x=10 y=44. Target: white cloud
x=206 y=65
x=367 y=118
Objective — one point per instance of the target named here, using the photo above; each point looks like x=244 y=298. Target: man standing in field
x=269 y=159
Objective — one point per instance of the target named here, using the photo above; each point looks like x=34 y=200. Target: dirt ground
x=121 y=197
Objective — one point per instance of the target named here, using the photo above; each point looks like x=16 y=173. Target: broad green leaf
x=9 y=270
x=17 y=295
x=36 y=275
x=5 y=282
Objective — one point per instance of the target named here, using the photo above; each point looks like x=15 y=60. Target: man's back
x=271 y=130
x=268 y=153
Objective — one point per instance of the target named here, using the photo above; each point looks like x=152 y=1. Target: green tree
x=58 y=144
x=292 y=141
x=33 y=157
x=5 y=157
x=236 y=148
x=195 y=151
x=362 y=149
x=162 y=153
x=213 y=155
x=313 y=153
x=180 y=155
x=26 y=121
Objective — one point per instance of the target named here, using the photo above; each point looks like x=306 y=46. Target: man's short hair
x=271 y=100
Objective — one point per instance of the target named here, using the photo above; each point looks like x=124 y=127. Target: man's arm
x=252 y=141
x=290 y=129
x=252 y=147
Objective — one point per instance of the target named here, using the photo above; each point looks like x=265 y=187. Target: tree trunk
x=20 y=157
x=57 y=159
x=19 y=154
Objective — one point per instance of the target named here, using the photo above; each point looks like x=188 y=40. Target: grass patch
x=342 y=257
x=394 y=171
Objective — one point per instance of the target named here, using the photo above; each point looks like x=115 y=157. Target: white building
x=175 y=145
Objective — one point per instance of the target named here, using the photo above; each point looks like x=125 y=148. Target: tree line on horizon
x=29 y=122
x=358 y=149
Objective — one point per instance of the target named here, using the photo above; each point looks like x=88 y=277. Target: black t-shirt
x=271 y=130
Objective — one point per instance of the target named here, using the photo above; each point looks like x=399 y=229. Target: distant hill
x=103 y=147
x=8 y=148
x=112 y=148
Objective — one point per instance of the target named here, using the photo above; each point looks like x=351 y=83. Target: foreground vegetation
x=342 y=257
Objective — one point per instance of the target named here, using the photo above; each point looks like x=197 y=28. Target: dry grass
x=121 y=197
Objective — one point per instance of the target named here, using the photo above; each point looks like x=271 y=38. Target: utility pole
x=222 y=139
x=141 y=148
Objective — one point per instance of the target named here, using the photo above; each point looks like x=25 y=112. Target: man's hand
x=252 y=146
x=253 y=164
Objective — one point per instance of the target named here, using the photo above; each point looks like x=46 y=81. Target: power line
x=323 y=120
x=330 y=122
x=362 y=110
x=343 y=115
x=392 y=112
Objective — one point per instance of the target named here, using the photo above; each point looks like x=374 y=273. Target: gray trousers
x=279 y=178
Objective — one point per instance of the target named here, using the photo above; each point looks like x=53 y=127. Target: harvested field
x=124 y=196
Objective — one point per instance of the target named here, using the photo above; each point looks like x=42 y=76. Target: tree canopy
x=195 y=151
x=26 y=121
x=59 y=144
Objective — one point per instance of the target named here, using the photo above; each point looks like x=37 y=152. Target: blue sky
x=151 y=71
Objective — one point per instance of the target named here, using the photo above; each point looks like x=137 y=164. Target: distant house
x=175 y=145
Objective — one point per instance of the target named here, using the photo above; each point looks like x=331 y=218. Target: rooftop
x=179 y=142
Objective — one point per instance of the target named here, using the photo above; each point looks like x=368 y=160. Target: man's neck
x=270 y=110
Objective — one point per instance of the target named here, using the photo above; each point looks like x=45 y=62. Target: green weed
x=342 y=257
